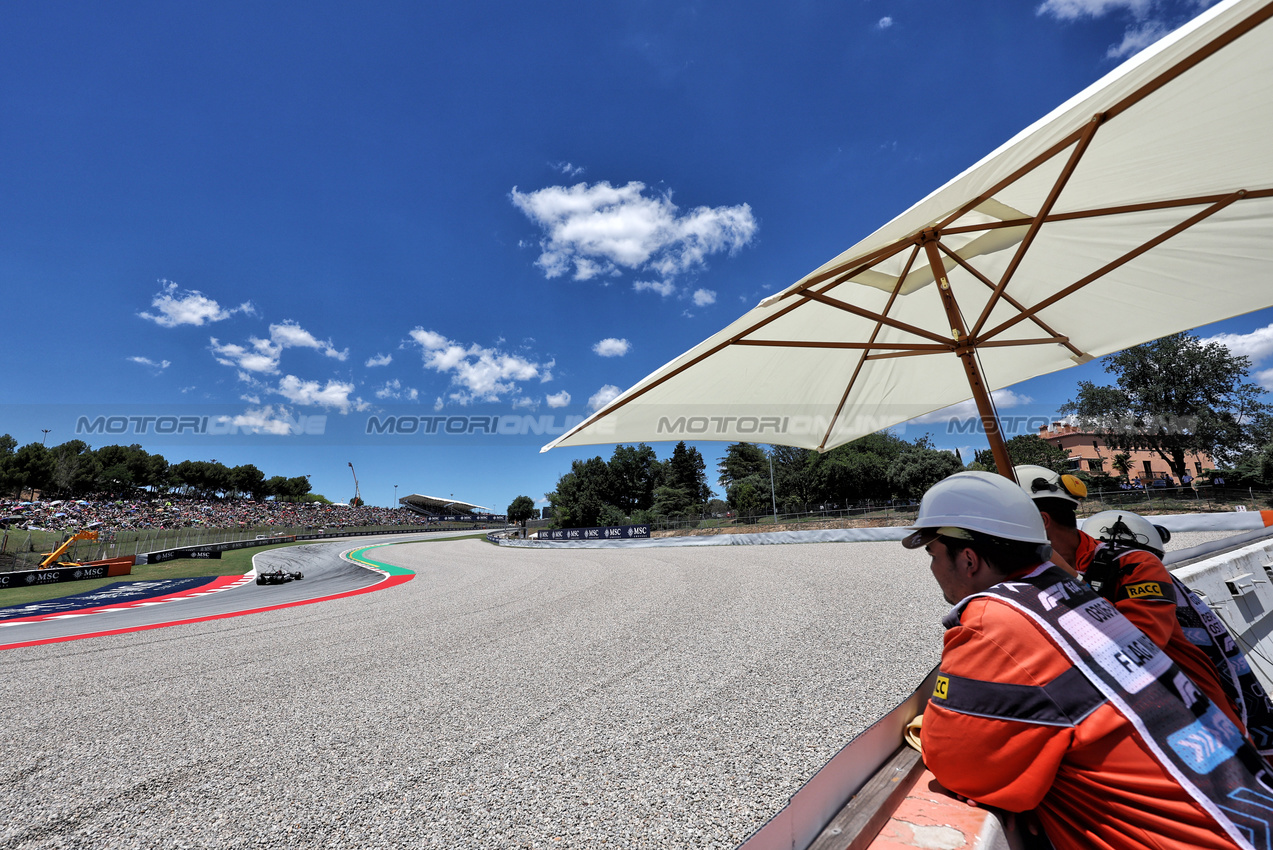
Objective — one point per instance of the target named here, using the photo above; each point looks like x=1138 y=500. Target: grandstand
x=439 y=509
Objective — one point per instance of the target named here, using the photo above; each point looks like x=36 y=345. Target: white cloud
x=189 y=307
x=262 y=355
x=1137 y=38
x=289 y=334
x=1265 y=379
x=265 y=420
x=885 y=23
x=1072 y=10
x=662 y=287
x=525 y=403
x=703 y=297
x=333 y=394
x=1147 y=20
x=611 y=347
x=968 y=409
x=379 y=360
x=603 y=396
x=594 y=230
x=568 y=169
x=481 y=374
x=146 y=361
x=560 y=399
x=394 y=389
x=1258 y=344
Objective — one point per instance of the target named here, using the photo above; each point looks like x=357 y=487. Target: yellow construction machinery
x=51 y=558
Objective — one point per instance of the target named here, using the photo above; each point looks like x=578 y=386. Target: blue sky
x=281 y=213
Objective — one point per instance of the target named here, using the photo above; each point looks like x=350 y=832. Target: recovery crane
x=51 y=558
x=357 y=494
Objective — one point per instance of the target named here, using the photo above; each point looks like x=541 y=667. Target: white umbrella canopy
x=1141 y=207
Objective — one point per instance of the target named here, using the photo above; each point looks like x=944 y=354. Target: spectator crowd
x=136 y=515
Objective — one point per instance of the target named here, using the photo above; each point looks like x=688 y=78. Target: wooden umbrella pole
x=967 y=352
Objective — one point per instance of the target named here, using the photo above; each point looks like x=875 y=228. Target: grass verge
x=235 y=562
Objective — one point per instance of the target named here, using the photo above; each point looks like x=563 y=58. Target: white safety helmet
x=980 y=502
x=1039 y=482
x=1127 y=529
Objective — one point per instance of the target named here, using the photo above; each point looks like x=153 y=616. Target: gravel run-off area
x=503 y=698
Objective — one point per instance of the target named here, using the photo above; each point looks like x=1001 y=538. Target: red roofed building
x=1089 y=453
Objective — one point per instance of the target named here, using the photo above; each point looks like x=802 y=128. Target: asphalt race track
x=327 y=575
x=502 y=698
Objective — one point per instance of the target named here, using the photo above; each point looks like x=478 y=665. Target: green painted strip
x=358 y=555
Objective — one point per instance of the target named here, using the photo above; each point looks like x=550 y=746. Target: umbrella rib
x=867 y=314
x=859 y=346
x=1049 y=340
x=1074 y=215
x=844 y=271
x=1212 y=47
x=1215 y=45
x=1063 y=178
x=611 y=408
x=857 y=370
x=1222 y=40
x=1043 y=326
x=1121 y=261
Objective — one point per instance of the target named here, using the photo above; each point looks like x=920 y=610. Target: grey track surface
x=326 y=573
x=502 y=698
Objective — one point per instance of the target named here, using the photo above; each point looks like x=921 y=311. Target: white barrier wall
x=1238 y=586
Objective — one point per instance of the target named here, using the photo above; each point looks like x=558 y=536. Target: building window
x=1074 y=464
x=1096 y=464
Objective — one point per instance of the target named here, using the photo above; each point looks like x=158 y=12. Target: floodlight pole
x=966 y=349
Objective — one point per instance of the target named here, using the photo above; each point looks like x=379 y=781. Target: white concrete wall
x=1238 y=587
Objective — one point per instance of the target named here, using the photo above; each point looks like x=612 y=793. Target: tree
x=1123 y=464
x=795 y=478
x=672 y=502
x=858 y=471
x=275 y=485
x=248 y=479
x=686 y=470
x=741 y=461
x=33 y=467
x=634 y=472
x=581 y=494
x=1174 y=396
x=298 y=486
x=747 y=499
x=521 y=509
x=9 y=478
x=75 y=468
x=1027 y=449
x=912 y=473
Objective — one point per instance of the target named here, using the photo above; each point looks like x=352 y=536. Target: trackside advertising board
x=611 y=532
x=57 y=575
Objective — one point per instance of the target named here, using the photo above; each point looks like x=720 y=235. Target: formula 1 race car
x=279 y=576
